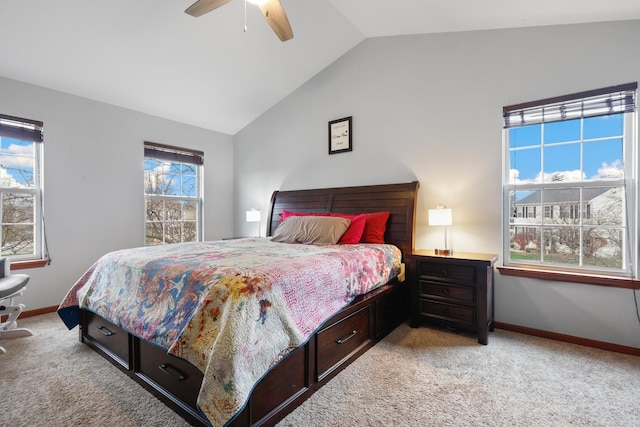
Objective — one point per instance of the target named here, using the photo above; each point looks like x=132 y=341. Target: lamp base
x=445 y=252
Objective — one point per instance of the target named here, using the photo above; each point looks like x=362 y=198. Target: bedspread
x=233 y=308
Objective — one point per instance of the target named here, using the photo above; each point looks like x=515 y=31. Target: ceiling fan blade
x=277 y=18
x=201 y=7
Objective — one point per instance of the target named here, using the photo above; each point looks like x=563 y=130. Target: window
x=569 y=180
x=21 y=188
x=172 y=182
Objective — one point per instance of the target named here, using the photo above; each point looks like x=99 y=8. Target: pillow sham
x=286 y=214
x=354 y=232
x=311 y=230
x=374 y=227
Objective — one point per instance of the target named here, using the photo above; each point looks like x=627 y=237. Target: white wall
x=93 y=173
x=429 y=108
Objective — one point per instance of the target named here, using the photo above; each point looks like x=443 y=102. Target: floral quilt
x=233 y=308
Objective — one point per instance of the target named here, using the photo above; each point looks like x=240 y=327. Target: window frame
x=173 y=154
x=590 y=275
x=28 y=130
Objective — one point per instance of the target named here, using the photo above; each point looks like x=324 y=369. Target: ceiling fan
x=271 y=9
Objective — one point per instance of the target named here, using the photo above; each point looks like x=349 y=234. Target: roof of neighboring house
x=563 y=195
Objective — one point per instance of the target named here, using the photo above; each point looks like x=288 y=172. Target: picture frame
x=340 y=135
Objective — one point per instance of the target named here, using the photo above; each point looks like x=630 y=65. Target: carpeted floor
x=414 y=377
x=431 y=377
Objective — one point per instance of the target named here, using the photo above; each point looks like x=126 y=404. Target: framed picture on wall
x=340 y=135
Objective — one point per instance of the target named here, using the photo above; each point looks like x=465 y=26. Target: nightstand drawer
x=465 y=295
x=448 y=312
x=448 y=272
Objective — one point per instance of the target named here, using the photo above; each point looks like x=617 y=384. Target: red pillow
x=374 y=227
x=286 y=214
x=354 y=232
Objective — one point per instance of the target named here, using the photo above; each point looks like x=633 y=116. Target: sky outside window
x=559 y=150
x=174 y=178
x=16 y=163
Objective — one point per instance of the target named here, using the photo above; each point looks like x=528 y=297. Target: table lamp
x=253 y=215
x=441 y=215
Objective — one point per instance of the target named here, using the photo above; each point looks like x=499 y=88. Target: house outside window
x=21 y=189
x=570 y=160
x=173 y=195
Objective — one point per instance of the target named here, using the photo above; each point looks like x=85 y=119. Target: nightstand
x=454 y=291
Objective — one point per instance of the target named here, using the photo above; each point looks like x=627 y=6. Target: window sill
x=32 y=263
x=562 y=276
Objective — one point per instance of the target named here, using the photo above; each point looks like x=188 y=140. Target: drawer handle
x=347 y=338
x=105 y=331
x=445 y=291
x=165 y=368
x=445 y=272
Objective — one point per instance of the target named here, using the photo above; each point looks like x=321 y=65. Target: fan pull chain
x=245 y=16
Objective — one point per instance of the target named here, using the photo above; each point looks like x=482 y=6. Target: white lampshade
x=440 y=216
x=257 y=2
x=253 y=215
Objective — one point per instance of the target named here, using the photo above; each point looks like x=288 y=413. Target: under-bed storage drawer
x=340 y=340
x=173 y=374
x=285 y=381
x=108 y=337
x=392 y=309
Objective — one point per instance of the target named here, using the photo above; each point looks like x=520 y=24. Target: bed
x=170 y=361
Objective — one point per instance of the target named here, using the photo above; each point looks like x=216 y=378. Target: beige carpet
x=414 y=377
x=431 y=377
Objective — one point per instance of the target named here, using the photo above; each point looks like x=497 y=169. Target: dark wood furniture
x=455 y=290
x=337 y=343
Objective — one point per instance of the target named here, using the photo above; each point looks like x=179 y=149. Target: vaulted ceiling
x=149 y=56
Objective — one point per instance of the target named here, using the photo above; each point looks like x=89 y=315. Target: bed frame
x=338 y=342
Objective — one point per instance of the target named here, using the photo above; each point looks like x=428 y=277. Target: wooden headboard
x=399 y=199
